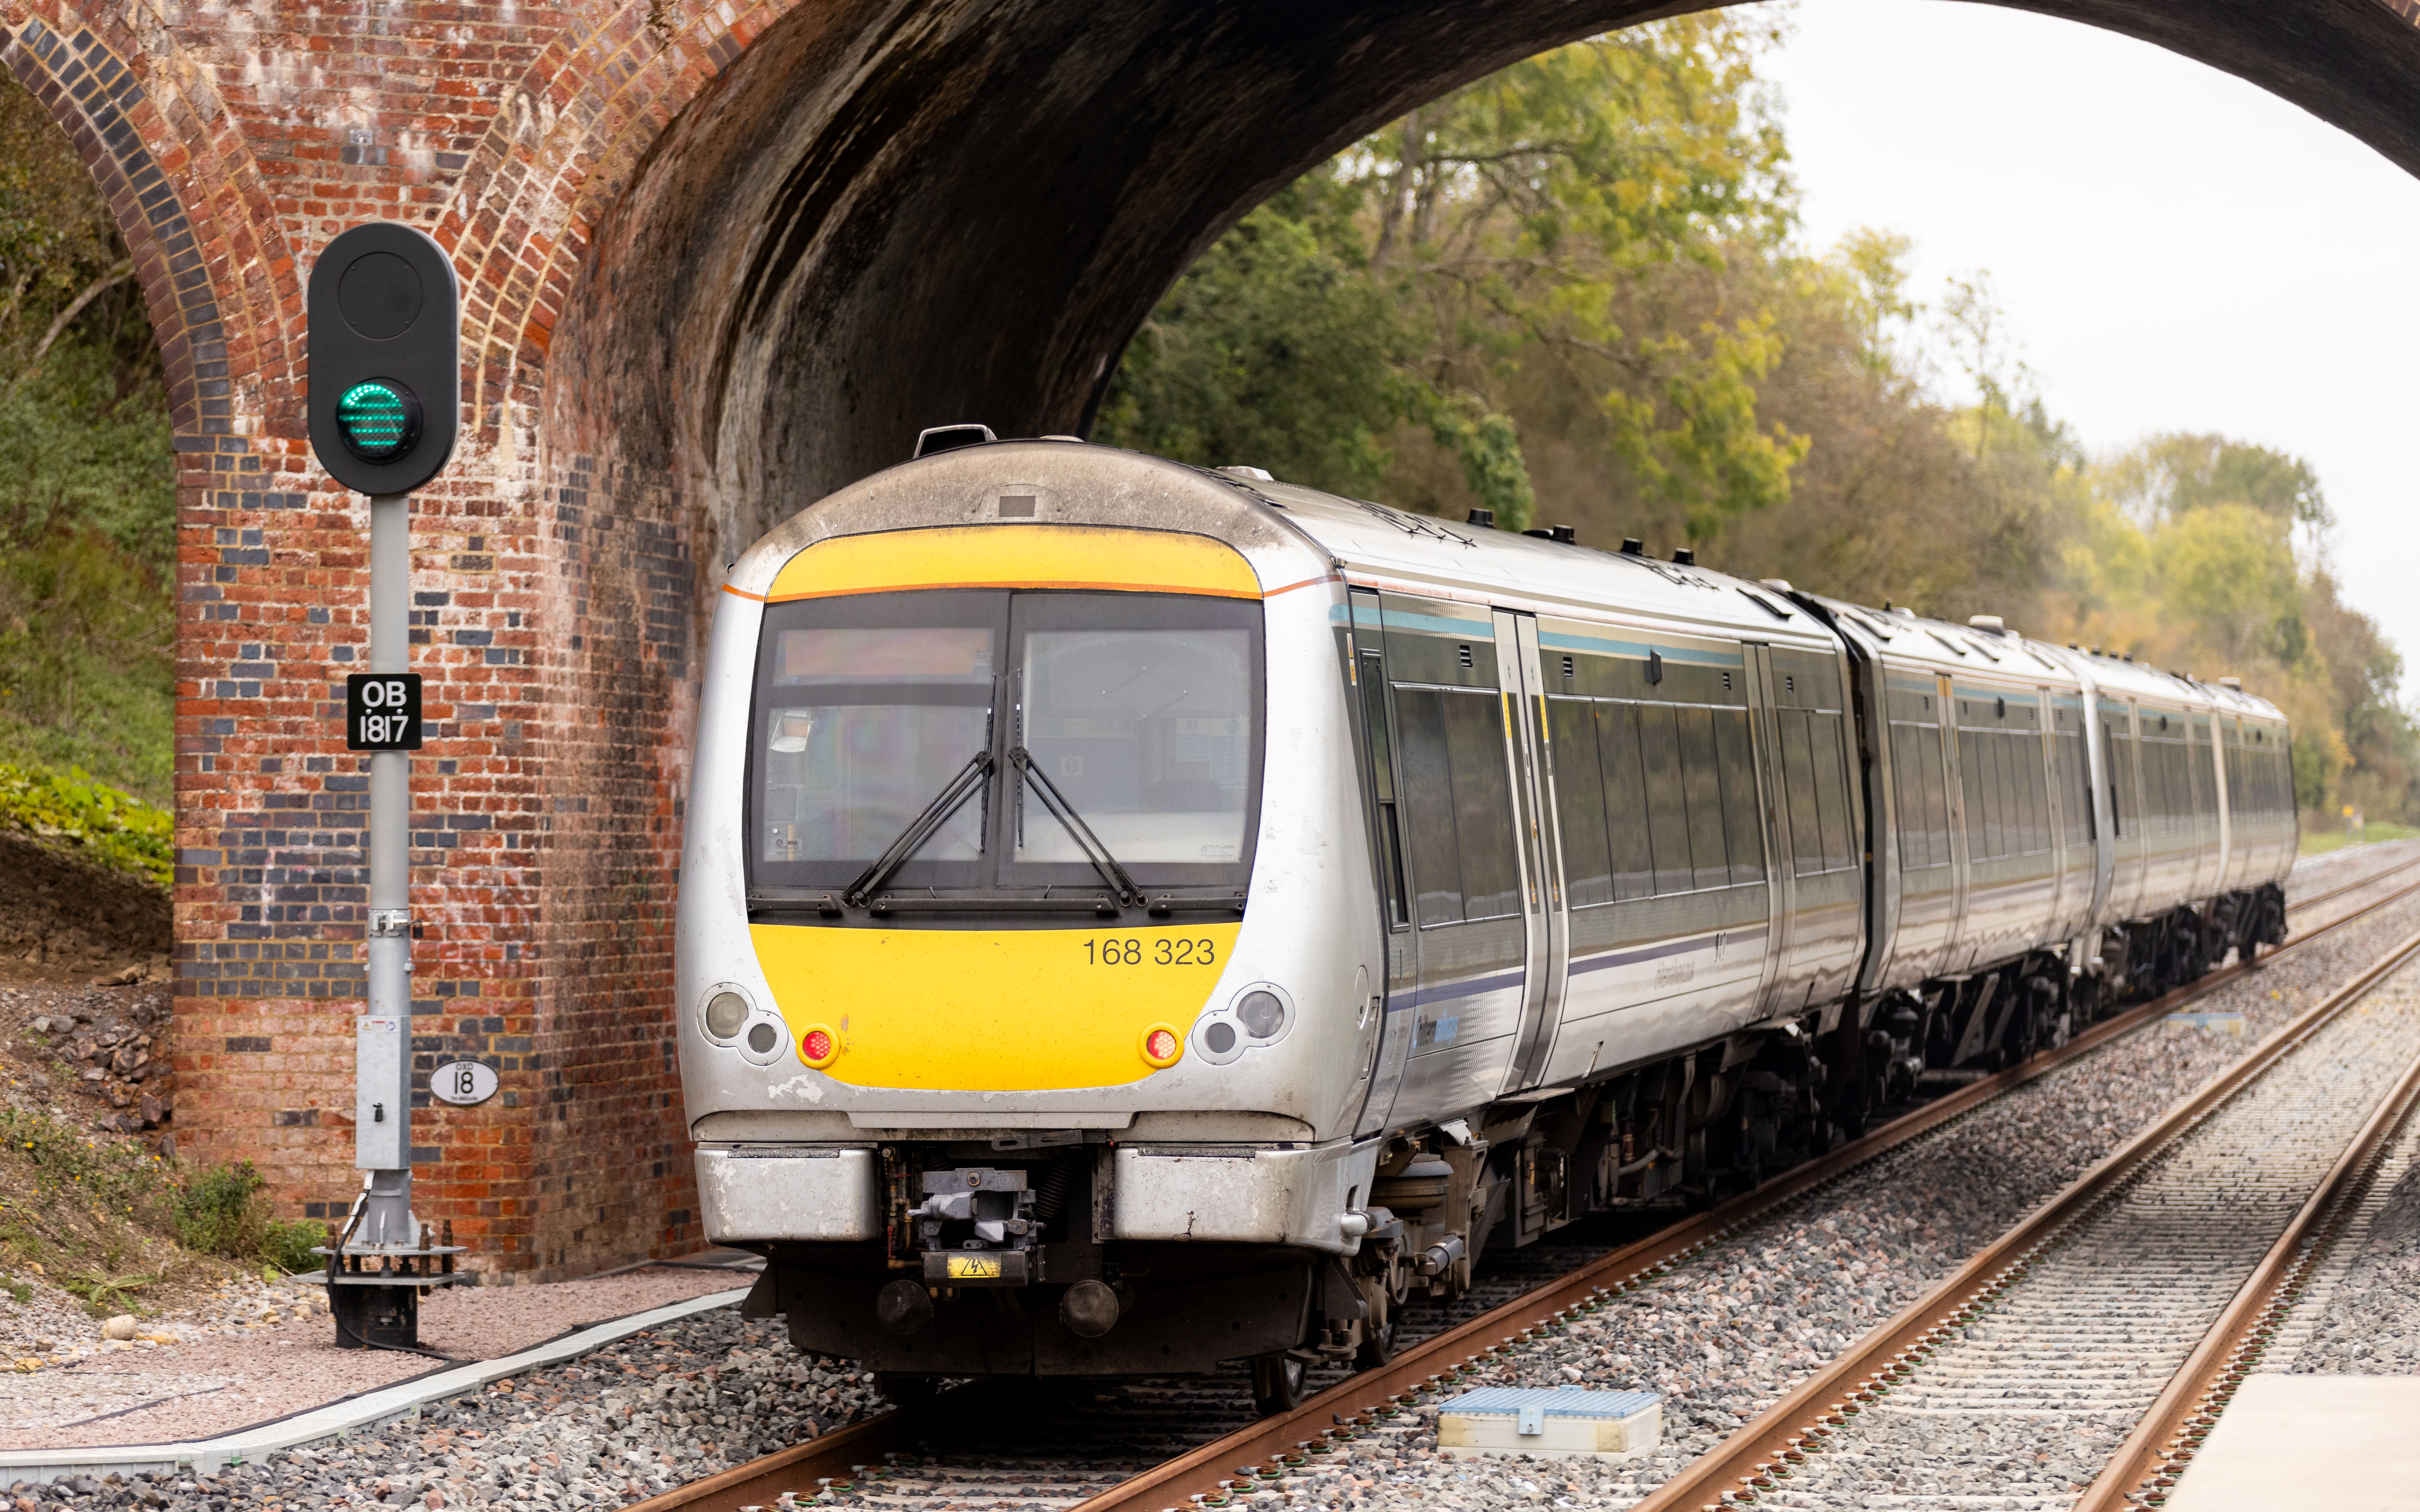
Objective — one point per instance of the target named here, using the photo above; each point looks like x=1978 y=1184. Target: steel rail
x=2164 y=1442
x=1758 y=1456
x=845 y=1452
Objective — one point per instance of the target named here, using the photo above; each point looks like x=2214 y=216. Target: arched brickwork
x=717 y=259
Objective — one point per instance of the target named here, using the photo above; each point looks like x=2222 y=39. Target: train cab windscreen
x=880 y=714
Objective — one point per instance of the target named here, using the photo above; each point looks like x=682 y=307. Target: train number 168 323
x=1133 y=950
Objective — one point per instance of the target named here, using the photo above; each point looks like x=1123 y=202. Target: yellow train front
x=1021 y=1014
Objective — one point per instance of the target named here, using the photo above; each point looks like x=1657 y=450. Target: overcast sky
x=2175 y=249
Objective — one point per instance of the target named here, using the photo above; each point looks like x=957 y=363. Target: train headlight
x=1260 y=1012
x=724 y=1012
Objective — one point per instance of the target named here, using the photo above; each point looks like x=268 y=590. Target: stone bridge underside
x=718 y=259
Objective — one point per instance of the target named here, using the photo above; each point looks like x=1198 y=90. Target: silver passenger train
x=1141 y=919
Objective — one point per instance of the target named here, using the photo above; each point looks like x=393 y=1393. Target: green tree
x=1412 y=291
x=87 y=475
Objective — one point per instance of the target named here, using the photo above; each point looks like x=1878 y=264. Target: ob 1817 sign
x=383 y=711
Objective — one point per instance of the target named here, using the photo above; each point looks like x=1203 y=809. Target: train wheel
x=1377 y=1345
x=1277 y=1383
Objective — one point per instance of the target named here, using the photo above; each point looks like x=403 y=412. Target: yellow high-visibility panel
x=1018 y=556
x=991 y=1011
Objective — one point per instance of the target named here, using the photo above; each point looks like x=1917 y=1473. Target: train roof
x=1903 y=636
x=1390 y=547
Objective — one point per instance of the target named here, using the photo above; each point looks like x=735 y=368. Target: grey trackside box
x=1512 y=1420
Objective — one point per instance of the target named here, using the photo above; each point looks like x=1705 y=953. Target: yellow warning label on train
x=974 y=1267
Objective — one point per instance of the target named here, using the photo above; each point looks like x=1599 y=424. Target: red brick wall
x=554 y=619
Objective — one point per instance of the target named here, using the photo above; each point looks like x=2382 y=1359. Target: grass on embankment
x=122 y=1229
x=74 y=812
x=2321 y=841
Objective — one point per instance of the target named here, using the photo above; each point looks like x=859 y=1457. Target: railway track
x=2134 y=1300
x=1140 y=1446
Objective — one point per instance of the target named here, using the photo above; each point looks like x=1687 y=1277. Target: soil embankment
x=63 y=919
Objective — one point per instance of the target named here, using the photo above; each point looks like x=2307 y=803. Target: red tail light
x=1161 y=1046
x=818 y=1047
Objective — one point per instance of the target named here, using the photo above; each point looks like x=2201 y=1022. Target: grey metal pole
x=382 y=1040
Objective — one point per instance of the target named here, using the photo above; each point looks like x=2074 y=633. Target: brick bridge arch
x=718 y=258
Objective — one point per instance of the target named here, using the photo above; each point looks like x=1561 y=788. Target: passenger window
x=1907 y=789
x=1741 y=820
x=1482 y=802
x=1970 y=777
x=1580 y=803
x=1457 y=799
x=1667 y=818
x=1798 y=783
x=1831 y=788
x=1625 y=800
x=1702 y=775
x=1425 y=773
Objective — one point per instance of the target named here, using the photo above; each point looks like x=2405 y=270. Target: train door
x=1398 y=991
x=1521 y=682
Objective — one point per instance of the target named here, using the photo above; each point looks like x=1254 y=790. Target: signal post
x=384 y=315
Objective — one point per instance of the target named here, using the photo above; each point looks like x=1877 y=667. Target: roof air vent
x=1563 y=534
x=1685 y=556
x=1256 y=474
x=1987 y=622
x=949 y=439
x=2130 y=656
x=1483 y=519
x=1781 y=585
x=2235 y=683
x=1077 y=440
x=1633 y=547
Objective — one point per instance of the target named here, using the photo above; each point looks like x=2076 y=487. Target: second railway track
x=1176 y=1444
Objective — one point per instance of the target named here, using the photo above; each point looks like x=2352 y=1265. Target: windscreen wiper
x=1061 y=809
x=920 y=829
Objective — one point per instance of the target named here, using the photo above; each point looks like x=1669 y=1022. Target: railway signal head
x=385 y=317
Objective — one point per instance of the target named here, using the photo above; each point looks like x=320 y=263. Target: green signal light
x=378 y=419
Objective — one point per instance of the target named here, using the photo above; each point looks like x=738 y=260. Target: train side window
x=1971 y=776
x=1426 y=774
x=1916 y=766
x=2031 y=755
x=1827 y=732
x=1907 y=768
x=1389 y=838
x=1482 y=805
x=1746 y=835
x=1701 y=775
x=1579 y=802
x=2233 y=732
x=1798 y=783
x=1625 y=800
x=1666 y=813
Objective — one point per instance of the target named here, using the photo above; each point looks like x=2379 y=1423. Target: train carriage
x=1137 y=918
